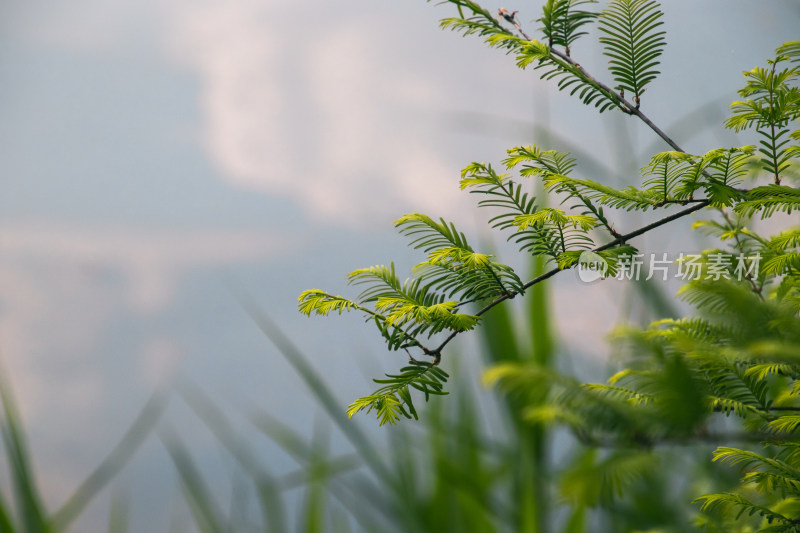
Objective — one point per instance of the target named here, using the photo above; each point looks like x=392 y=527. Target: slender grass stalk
x=121 y=455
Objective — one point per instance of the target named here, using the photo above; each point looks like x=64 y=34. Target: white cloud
x=236 y=55
x=63 y=285
x=340 y=117
x=310 y=110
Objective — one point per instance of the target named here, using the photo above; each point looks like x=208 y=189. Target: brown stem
x=437 y=353
x=627 y=107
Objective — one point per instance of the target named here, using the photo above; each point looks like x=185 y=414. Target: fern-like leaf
x=628 y=198
x=768 y=199
x=430 y=235
x=664 y=171
x=607 y=478
x=772 y=102
x=555 y=232
x=620 y=393
x=538 y=162
x=785 y=424
x=745 y=506
x=452 y=261
x=322 y=303
x=633 y=43
x=409 y=303
x=749 y=461
x=393 y=400
x=563 y=20
x=568 y=76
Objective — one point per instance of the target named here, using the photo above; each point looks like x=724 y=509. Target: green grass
x=451 y=471
x=27 y=513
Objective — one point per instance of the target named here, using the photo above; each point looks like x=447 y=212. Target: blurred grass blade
x=576 y=521
x=270 y=499
x=284 y=436
x=538 y=503
x=270 y=496
x=499 y=336
x=336 y=466
x=341 y=524
x=5 y=520
x=539 y=313
x=350 y=495
x=305 y=455
x=205 y=510
x=118 y=516
x=269 y=489
x=137 y=433
x=530 y=458
x=237 y=513
x=313 y=513
x=29 y=504
x=318 y=388
x=462 y=483
x=404 y=501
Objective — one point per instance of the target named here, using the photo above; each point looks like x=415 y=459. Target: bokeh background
x=160 y=159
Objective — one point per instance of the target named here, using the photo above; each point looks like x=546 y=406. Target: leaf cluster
x=734 y=364
x=736 y=359
x=771 y=104
x=393 y=399
x=408 y=312
x=563 y=21
x=633 y=42
x=454 y=274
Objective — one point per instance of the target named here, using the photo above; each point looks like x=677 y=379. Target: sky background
x=159 y=156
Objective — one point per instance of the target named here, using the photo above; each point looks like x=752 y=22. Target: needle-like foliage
x=453 y=275
x=563 y=21
x=734 y=364
x=772 y=103
x=393 y=399
x=633 y=43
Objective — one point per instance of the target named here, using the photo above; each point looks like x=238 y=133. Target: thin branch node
x=410 y=357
